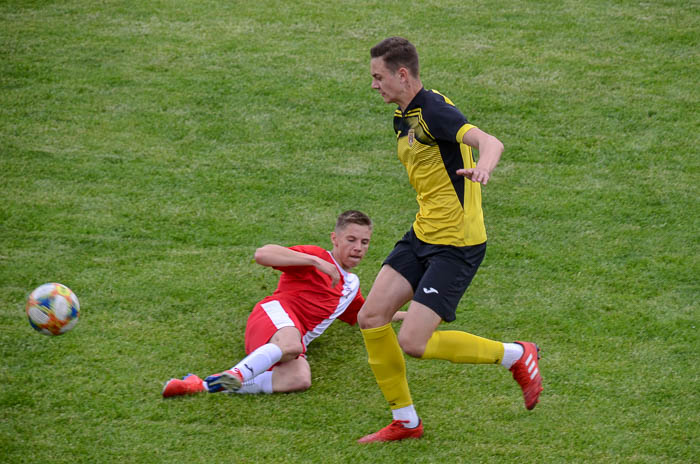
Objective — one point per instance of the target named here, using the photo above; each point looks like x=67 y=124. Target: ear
x=404 y=74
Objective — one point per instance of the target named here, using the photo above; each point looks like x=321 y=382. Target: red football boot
x=393 y=432
x=188 y=385
x=526 y=372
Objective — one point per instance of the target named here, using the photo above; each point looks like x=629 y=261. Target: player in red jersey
x=315 y=288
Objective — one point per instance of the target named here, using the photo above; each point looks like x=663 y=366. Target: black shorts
x=439 y=274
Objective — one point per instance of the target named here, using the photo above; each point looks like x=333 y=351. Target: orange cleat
x=394 y=432
x=188 y=385
x=526 y=372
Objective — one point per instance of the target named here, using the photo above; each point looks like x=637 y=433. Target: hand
x=398 y=316
x=475 y=174
x=329 y=269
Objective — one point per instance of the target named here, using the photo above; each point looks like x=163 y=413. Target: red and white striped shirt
x=308 y=293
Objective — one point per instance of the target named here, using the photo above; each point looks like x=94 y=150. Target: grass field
x=147 y=149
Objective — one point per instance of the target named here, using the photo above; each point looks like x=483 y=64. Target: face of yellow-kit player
x=389 y=84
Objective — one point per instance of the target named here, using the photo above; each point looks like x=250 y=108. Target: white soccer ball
x=53 y=309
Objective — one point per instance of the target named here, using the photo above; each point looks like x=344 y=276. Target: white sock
x=260 y=384
x=407 y=413
x=258 y=361
x=511 y=353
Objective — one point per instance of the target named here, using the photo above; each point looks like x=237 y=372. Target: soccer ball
x=53 y=309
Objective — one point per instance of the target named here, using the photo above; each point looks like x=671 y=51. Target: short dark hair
x=397 y=52
x=352 y=217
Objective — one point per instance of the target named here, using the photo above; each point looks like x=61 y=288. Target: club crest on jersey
x=411 y=137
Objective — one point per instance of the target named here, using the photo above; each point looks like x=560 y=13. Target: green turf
x=147 y=149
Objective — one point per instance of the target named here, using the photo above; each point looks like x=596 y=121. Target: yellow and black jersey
x=429 y=135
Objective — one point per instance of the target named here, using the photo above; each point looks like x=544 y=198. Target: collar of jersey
x=340 y=268
x=417 y=100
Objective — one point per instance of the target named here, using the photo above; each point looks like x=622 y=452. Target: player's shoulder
x=310 y=250
x=438 y=98
x=438 y=110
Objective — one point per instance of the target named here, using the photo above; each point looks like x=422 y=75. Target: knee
x=300 y=380
x=303 y=382
x=291 y=350
x=411 y=346
x=368 y=318
x=364 y=319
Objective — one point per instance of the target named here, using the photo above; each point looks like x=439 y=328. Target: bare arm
x=278 y=256
x=490 y=150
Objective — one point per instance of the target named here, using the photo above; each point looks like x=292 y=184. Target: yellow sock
x=463 y=348
x=387 y=362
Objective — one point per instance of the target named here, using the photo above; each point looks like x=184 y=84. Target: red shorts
x=267 y=317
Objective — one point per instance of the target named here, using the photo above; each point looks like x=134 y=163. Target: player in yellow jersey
x=435 y=261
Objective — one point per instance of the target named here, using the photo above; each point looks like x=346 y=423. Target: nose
x=375 y=84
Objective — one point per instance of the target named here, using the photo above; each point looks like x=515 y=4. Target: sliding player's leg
x=271 y=336
x=283 y=346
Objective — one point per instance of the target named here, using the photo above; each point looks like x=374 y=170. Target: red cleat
x=393 y=432
x=526 y=372
x=188 y=385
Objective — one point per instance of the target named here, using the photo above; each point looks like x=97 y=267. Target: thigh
x=267 y=318
x=405 y=259
x=449 y=273
x=288 y=339
x=389 y=292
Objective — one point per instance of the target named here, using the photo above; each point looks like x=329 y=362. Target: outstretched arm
x=278 y=256
x=490 y=150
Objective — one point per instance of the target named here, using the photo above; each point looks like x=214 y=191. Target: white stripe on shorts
x=277 y=314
